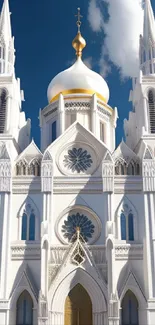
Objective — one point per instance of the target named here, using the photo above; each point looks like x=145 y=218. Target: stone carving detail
x=28 y=252
x=25 y=168
x=108 y=176
x=77 y=106
x=43 y=310
x=47 y=176
x=78 y=160
x=103 y=111
x=5 y=169
x=149 y=176
x=75 y=221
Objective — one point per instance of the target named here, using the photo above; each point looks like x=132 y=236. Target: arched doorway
x=78 y=307
x=129 y=309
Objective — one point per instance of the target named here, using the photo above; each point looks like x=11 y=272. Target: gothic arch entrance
x=78 y=307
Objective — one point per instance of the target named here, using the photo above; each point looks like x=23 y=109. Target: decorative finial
x=79 y=19
x=79 y=42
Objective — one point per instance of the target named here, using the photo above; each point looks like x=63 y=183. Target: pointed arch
x=28 y=221
x=129 y=309
x=69 y=282
x=151 y=102
x=128 y=281
x=24 y=309
x=126 y=221
x=47 y=156
x=78 y=303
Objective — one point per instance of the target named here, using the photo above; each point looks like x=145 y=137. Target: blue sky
x=43 y=31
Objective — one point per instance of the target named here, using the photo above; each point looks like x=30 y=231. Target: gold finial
x=79 y=42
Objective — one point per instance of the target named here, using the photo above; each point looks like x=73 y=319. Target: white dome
x=78 y=79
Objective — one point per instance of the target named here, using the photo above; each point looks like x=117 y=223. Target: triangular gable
x=81 y=133
x=143 y=151
x=78 y=255
x=24 y=279
x=124 y=152
x=108 y=157
x=4 y=155
x=130 y=282
x=147 y=154
x=30 y=152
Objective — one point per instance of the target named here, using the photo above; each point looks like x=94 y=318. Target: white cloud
x=94 y=16
x=122 y=30
x=88 y=62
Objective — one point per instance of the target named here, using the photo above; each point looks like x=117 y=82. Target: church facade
x=77 y=217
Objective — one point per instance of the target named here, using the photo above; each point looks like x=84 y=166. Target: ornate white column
x=5 y=190
x=94 y=115
x=100 y=318
x=61 y=115
x=47 y=190
x=148 y=170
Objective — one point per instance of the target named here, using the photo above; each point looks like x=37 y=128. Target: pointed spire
x=149 y=23
x=7 y=56
x=147 y=41
x=5 y=22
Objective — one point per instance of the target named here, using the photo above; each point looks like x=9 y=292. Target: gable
x=77 y=152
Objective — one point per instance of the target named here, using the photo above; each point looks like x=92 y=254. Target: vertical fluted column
x=94 y=127
x=61 y=115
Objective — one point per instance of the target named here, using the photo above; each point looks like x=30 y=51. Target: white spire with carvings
x=147 y=41
x=7 y=56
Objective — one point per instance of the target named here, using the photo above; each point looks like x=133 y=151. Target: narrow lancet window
x=151 y=101
x=24 y=313
x=3 y=102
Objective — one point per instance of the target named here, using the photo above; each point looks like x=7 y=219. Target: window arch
x=129 y=309
x=123 y=168
x=126 y=221
x=3 y=102
x=151 y=101
x=28 y=225
x=25 y=169
x=24 y=311
x=127 y=226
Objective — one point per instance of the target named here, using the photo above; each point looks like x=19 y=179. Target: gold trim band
x=79 y=91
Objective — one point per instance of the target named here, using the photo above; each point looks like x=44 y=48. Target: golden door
x=78 y=307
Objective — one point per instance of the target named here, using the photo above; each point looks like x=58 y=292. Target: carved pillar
x=61 y=115
x=100 y=318
x=43 y=310
x=94 y=115
x=47 y=190
x=57 y=318
x=148 y=169
x=5 y=190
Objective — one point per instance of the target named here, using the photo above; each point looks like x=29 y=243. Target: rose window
x=77 y=221
x=78 y=160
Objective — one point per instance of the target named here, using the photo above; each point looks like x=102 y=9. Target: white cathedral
x=77 y=219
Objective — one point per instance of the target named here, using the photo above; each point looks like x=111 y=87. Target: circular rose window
x=77 y=158
x=78 y=218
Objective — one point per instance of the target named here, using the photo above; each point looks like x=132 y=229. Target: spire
x=79 y=42
x=7 y=56
x=147 y=41
x=149 y=23
x=5 y=23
